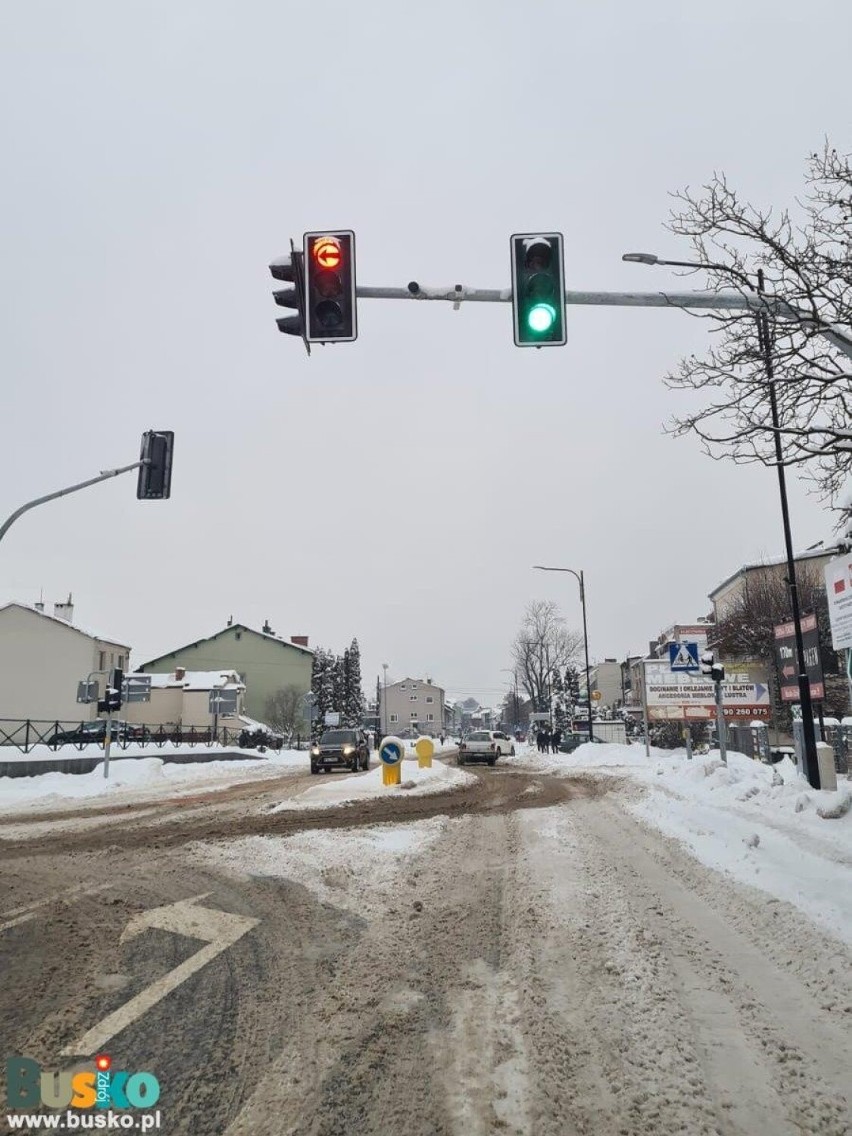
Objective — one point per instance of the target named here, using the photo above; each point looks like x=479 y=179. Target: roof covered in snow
x=195 y=680
x=110 y=640
x=225 y=631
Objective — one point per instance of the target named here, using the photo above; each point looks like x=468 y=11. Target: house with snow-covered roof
x=265 y=662
x=42 y=659
x=183 y=698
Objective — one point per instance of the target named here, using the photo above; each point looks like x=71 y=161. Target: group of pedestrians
x=548 y=742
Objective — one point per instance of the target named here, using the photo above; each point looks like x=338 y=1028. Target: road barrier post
x=424 y=748
x=390 y=754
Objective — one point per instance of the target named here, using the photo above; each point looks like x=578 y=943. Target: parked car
x=341 y=749
x=91 y=733
x=485 y=745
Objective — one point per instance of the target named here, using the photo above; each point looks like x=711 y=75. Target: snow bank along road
x=520 y=956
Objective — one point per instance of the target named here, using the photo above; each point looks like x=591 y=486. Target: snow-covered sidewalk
x=760 y=823
x=143 y=774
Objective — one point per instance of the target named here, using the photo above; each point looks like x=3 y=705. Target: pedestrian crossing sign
x=683 y=656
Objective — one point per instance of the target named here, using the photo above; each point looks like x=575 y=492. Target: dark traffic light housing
x=715 y=671
x=112 y=703
x=331 y=314
x=291 y=269
x=155 y=474
x=538 y=290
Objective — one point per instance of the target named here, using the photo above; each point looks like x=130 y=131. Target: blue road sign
x=390 y=753
x=683 y=657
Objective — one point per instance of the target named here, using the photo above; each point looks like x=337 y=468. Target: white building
x=413 y=704
x=44 y=657
x=182 y=698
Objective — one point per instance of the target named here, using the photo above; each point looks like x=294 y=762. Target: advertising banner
x=675 y=695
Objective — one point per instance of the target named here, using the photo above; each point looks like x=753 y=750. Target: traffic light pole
x=720 y=722
x=458 y=294
x=103 y=476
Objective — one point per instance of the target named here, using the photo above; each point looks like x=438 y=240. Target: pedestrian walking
x=556 y=740
x=539 y=741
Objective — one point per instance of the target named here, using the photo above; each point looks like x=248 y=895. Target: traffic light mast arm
x=731 y=301
x=104 y=476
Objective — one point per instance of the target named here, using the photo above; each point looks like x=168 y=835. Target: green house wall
x=266 y=665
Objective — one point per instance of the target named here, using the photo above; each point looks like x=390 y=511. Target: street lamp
x=811 y=762
x=385 y=701
x=579 y=577
x=513 y=671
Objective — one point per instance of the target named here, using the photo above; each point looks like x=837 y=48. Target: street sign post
x=785 y=659
x=87 y=691
x=838 y=589
x=390 y=755
x=684 y=657
x=137 y=688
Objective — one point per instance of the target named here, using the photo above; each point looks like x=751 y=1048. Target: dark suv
x=341 y=749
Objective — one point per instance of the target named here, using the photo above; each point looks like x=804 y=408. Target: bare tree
x=284 y=710
x=542 y=648
x=805 y=255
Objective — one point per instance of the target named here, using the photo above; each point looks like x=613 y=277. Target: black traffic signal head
x=538 y=290
x=113 y=692
x=155 y=474
x=291 y=269
x=330 y=304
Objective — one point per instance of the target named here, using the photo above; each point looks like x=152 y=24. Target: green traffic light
x=541 y=318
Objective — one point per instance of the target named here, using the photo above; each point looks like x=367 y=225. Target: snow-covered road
x=553 y=971
x=585 y=944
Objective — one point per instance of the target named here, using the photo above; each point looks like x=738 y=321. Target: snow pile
x=438 y=778
x=152 y=775
x=762 y=824
x=360 y=871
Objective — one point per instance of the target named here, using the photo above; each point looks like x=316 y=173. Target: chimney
x=64 y=610
x=180 y=674
x=267 y=630
x=39 y=605
x=299 y=640
x=230 y=620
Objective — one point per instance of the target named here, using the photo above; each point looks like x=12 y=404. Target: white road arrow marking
x=219 y=929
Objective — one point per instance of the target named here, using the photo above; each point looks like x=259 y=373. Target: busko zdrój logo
x=93 y=1085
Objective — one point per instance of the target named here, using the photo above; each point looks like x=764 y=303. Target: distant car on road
x=341 y=749
x=485 y=745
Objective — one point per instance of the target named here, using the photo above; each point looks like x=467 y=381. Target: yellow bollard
x=424 y=748
x=392 y=774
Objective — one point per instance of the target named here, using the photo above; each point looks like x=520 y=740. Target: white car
x=485 y=745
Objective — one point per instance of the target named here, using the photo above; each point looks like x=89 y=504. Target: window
x=394 y=717
x=402 y=686
x=238 y=634
x=102 y=661
x=429 y=698
x=413 y=715
x=430 y=717
x=119 y=662
x=412 y=698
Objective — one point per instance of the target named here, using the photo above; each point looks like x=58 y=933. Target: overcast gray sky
x=158 y=154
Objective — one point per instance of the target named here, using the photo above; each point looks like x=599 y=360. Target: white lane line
x=219 y=928
x=27 y=911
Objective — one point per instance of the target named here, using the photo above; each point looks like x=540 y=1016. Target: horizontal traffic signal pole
x=458 y=294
